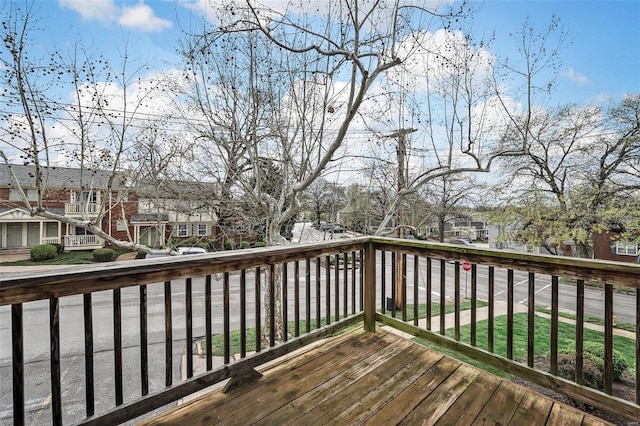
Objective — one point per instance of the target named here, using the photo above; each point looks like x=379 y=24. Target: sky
x=601 y=60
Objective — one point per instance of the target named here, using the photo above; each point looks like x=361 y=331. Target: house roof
x=60 y=177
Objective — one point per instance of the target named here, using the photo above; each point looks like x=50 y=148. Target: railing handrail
x=612 y=272
x=22 y=287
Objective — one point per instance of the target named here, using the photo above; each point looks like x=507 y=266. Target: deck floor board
x=373 y=378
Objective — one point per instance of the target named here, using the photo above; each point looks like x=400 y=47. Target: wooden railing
x=139 y=319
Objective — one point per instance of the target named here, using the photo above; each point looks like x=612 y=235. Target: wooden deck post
x=369 y=287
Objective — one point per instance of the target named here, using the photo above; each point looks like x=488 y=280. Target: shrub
x=103 y=255
x=189 y=242
x=591 y=373
x=59 y=248
x=43 y=252
x=244 y=244
x=229 y=245
x=593 y=364
x=260 y=244
x=141 y=254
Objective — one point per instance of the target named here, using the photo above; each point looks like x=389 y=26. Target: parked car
x=459 y=241
x=181 y=251
x=191 y=250
x=337 y=229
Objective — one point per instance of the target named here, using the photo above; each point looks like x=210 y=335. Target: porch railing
x=80 y=241
x=81 y=208
x=143 y=316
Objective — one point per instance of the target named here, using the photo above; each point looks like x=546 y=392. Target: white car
x=191 y=250
x=181 y=251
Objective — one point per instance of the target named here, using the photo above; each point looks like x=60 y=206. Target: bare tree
x=93 y=131
x=577 y=177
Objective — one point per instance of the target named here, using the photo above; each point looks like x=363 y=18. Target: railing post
x=370 y=287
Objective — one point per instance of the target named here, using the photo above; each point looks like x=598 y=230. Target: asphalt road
x=36 y=329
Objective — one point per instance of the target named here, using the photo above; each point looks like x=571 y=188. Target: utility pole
x=401 y=272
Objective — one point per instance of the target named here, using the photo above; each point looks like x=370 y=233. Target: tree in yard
x=93 y=130
x=287 y=86
x=448 y=196
x=577 y=178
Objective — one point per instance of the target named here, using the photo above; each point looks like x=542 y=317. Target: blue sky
x=602 y=61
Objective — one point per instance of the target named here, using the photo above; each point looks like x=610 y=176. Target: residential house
x=130 y=211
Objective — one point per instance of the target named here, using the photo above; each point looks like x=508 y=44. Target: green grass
x=217 y=341
x=592 y=319
x=542 y=346
x=435 y=308
x=67 y=258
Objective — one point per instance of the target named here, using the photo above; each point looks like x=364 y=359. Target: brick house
x=129 y=211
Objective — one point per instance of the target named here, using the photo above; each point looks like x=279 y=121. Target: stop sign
x=466 y=266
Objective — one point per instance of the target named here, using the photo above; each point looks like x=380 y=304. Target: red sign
x=466 y=266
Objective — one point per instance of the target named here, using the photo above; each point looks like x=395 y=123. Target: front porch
x=141 y=321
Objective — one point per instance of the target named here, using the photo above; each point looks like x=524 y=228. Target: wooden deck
x=374 y=379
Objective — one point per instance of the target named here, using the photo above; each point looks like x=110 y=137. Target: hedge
x=43 y=252
x=103 y=255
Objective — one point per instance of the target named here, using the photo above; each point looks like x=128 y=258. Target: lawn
x=542 y=343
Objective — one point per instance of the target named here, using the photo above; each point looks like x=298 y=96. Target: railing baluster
x=307 y=281
x=327 y=291
x=144 y=354
x=416 y=266
x=318 y=297
x=207 y=321
x=56 y=390
x=88 y=355
x=336 y=260
x=383 y=274
x=117 y=344
x=443 y=289
x=353 y=283
x=394 y=282
x=225 y=321
x=531 y=318
x=168 y=335
x=243 y=313
x=456 y=298
x=554 y=325
x=608 y=338
x=296 y=297
x=474 y=296
x=188 y=303
x=285 y=295
x=258 y=310
x=510 y=313
x=345 y=285
x=18 y=363
x=272 y=305
x=361 y=279
x=403 y=284
x=579 y=331
x=429 y=295
x=491 y=308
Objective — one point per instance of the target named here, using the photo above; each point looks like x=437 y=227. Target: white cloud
x=143 y=18
x=576 y=77
x=139 y=17
x=101 y=10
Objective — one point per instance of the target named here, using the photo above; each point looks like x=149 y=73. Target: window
x=629 y=249
x=87 y=196
x=201 y=229
x=182 y=230
x=14 y=194
x=51 y=229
